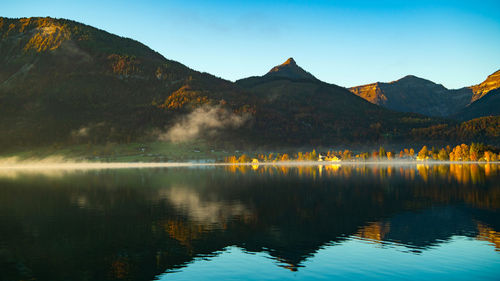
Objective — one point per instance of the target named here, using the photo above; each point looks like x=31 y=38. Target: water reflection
x=463 y=173
x=486 y=233
x=136 y=224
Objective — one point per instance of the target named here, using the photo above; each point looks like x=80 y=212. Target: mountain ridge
x=491 y=82
x=58 y=76
x=415 y=94
x=487 y=105
x=62 y=82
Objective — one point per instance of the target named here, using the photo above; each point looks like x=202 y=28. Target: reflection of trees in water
x=374 y=231
x=486 y=233
x=135 y=224
x=462 y=176
x=462 y=173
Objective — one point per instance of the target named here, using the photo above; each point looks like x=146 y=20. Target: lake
x=342 y=222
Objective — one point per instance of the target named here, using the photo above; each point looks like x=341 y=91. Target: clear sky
x=348 y=43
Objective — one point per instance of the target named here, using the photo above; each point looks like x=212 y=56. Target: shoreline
x=146 y=165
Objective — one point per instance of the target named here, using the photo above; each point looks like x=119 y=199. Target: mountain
x=491 y=83
x=487 y=105
x=60 y=79
x=63 y=82
x=289 y=69
x=414 y=94
x=294 y=103
x=66 y=82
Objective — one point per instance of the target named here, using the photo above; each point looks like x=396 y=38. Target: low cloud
x=82 y=132
x=92 y=131
x=205 y=120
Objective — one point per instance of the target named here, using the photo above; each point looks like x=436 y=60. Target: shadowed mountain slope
x=488 y=105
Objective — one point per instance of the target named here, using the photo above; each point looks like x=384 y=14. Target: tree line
x=462 y=152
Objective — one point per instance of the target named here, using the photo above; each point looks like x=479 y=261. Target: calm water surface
x=350 y=222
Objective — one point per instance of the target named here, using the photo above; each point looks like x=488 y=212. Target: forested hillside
x=63 y=82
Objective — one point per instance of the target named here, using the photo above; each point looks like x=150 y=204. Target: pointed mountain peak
x=289 y=69
x=289 y=61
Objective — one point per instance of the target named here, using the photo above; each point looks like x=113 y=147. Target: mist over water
x=253 y=222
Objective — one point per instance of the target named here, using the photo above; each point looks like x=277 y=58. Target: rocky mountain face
x=491 y=83
x=414 y=94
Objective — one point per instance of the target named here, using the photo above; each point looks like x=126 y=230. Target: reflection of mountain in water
x=135 y=224
x=419 y=230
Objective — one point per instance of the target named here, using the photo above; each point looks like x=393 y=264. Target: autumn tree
x=231 y=159
x=443 y=155
x=346 y=155
x=389 y=155
x=363 y=156
x=474 y=152
x=244 y=159
x=422 y=154
x=314 y=156
x=490 y=156
x=465 y=152
x=448 y=149
x=460 y=153
x=300 y=156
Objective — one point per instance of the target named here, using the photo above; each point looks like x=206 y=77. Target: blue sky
x=348 y=43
